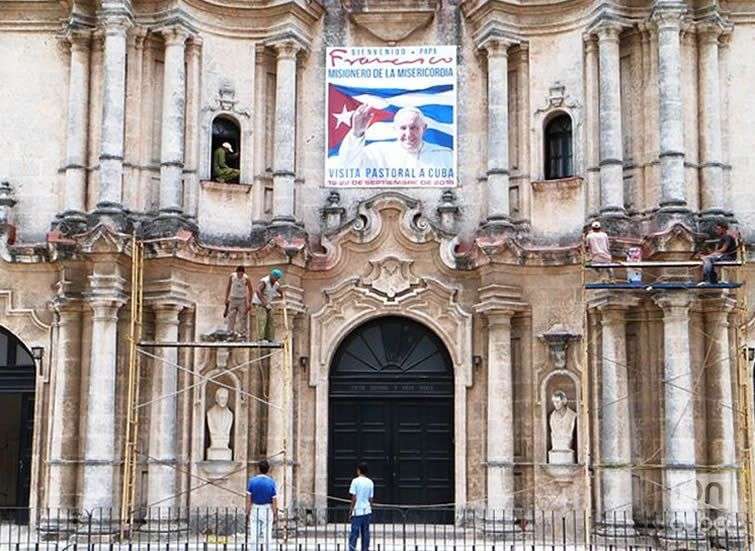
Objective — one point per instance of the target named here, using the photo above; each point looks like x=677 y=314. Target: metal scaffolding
x=744 y=367
x=139 y=347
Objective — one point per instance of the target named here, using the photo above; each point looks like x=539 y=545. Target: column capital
x=175 y=35
x=194 y=45
x=674 y=303
x=717 y=305
x=613 y=307
x=287 y=46
x=116 y=24
x=607 y=29
x=167 y=313
x=64 y=306
x=668 y=15
x=79 y=39
x=591 y=45
x=712 y=28
x=497 y=46
x=136 y=37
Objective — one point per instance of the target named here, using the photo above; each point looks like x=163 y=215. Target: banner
x=391 y=117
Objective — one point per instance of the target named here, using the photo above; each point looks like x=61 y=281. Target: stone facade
x=107 y=111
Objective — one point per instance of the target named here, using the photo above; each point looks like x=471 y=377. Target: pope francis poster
x=391 y=117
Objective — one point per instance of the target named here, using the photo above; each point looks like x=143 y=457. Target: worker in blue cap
x=267 y=290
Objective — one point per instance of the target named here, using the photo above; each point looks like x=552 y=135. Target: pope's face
x=558 y=402
x=410 y=127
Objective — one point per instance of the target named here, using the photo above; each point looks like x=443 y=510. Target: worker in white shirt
x=599 y=246
x=238 y=293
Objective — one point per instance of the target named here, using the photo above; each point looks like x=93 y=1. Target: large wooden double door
x=391 y=405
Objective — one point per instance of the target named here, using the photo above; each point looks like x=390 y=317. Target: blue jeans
x=360 y=525
x=709 y=269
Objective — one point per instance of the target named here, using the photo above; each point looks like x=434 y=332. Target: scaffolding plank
x=210 y=344
x=625 y=286
x=658 y=264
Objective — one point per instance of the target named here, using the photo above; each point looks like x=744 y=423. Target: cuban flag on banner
x=435 y=102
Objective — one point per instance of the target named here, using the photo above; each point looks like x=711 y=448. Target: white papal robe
x=355 y=153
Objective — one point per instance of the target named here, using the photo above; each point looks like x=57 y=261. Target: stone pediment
x=391 y=20
x=355 y=300
x=385 y=220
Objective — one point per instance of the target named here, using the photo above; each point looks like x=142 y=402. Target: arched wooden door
x=391 y=405
x=17 y=384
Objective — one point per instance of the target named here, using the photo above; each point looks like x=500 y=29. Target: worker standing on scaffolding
x=726 y=250
x=267 y=290
x=599 y=247
x=262 y=508
x=237 y=300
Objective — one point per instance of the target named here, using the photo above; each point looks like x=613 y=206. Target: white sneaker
x=703 y=284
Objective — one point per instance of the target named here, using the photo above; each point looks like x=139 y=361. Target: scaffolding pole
x=128 y=487
x=745 y=393
x=585 y=385
x=133 y=406
x=744 y=367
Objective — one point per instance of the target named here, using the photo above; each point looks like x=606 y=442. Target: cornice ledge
x=612 y=300
x=607 y=18
x=176 y=18
x=289 y=36
x=497 y=32
x=497 y=299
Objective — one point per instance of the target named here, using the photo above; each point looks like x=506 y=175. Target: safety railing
x=391 y=529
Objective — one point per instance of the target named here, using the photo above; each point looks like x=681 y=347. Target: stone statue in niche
x=562 y=421
x=219 y=423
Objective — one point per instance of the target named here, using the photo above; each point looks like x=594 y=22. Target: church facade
x=443 y=333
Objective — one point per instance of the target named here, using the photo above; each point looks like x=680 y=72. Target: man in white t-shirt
x=598 y=246
x=237 y=301
x=362 y=491
x=268 y=289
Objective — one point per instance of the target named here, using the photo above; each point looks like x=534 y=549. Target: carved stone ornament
x=557 y=98
x=382 y=18
x=390 y=276
x=226 y=101
x=557 y=338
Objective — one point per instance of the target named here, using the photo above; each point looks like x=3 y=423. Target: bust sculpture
x=219 y=423
x=562 y=421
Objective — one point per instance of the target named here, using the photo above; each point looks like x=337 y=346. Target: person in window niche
x=220 y=169
x=408 y=150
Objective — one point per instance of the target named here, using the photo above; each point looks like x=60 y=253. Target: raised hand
x=361 y=119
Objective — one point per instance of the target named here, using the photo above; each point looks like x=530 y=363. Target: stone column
x=100 y=454
x=498 y=130
x=64 y=422
x=174 y=110
x=673 y=193
x=113 y=119
x=500 y=414
x=592 y=120
x=611 y=144
x=615 y=421
x=132 y=159
x=262 y=60
x=679 y=415
x=74 y=196
x=285 y=133
x=719 y=360
x=280 y=418
x=193 y=93
x=711 y=153
x=525 y=190
x=161 y=479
